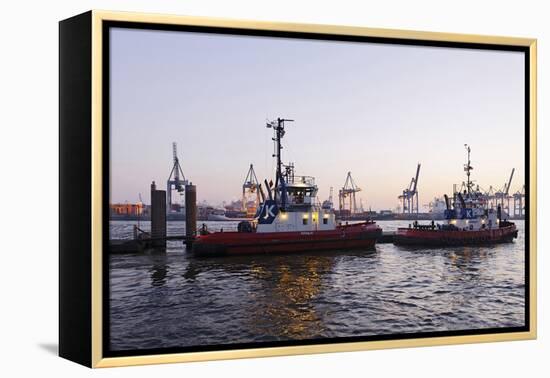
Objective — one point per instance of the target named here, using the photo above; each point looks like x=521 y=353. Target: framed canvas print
x=235 y=189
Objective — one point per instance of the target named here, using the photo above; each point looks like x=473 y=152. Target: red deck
x=412 y=236
x=362 y=235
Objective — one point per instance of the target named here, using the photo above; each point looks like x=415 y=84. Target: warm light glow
x=284 y=216
x=305 y=216
x=325 y=216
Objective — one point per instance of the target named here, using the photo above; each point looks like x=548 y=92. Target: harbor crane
x=490 y=197
x=348 y=193
x=519 y=203
x=507 y=192
x=176 y=180
x=507 y=186
x=251 y=189
x=502 y=196
x=409 y=198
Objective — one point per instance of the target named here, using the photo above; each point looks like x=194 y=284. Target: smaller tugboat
x=289 y=219
x=468 y=221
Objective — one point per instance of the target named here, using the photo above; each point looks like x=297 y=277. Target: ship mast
x=278 y=127
x=468 y=168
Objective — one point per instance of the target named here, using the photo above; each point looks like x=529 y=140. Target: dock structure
x=190 y=212
x=158 y=216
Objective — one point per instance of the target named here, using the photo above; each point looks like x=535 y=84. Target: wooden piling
x=158 y=216
x=190 y=210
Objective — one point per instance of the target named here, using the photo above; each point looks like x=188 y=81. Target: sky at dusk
x=375 y=110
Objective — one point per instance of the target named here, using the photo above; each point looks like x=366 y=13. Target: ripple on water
x=171 y=300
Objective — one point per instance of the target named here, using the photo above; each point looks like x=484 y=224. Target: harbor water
x=161 y=300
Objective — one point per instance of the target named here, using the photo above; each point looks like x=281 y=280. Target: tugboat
x=289 y=219
x=468 y=221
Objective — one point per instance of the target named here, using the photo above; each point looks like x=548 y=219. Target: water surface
x=171 y=299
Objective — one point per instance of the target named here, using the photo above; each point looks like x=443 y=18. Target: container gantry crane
x=348 y=193
x=519 y=203
x=502 y=196
x=251 y=189
x=176 y=181
x=409 y=197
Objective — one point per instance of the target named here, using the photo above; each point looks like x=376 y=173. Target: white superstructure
x=301 y=211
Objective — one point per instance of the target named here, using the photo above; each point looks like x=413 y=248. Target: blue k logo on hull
x=268 y=212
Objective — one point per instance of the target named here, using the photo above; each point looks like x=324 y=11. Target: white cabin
x=298 y=211
x=470 y=214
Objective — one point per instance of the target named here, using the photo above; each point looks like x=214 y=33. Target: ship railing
x=303 y=180
x=298 y=206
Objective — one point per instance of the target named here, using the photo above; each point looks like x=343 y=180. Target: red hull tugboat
x=289 y=220
x=468 y=221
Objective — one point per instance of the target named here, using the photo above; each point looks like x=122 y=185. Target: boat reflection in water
x=159 y=270
x=285 y=290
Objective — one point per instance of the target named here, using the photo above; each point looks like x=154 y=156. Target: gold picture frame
x=86 y=33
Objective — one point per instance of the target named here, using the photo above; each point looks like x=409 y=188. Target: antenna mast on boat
x=468 y=168
x=278 y=127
